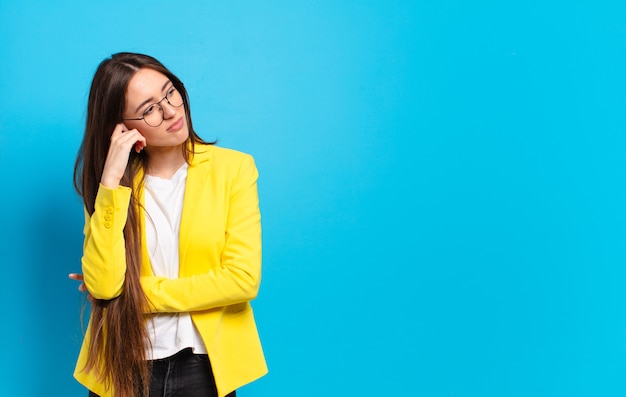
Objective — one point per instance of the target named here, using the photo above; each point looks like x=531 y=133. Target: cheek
x=144 y=129
x=149 y=135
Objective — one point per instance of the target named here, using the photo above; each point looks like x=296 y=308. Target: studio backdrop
x=442 y=185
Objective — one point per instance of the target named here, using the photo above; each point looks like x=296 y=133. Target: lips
x=178 y=124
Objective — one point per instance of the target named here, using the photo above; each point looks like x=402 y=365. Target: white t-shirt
x=169 y=332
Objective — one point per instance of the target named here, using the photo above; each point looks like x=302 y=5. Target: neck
x=165 y=161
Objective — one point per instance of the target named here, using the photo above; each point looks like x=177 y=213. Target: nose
x=169 y=111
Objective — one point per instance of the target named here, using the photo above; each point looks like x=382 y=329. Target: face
x=145 y=89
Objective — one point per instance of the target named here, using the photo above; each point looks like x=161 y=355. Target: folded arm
x=236 y=278
x=104 y=250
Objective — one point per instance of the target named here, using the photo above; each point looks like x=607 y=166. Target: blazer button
x=108 y=224
x=108 y=217
x=109 y=210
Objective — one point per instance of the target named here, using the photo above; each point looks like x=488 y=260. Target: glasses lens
x=174 y=97
x=154 y=116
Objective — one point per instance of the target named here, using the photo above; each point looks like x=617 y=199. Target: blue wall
x=442 y=185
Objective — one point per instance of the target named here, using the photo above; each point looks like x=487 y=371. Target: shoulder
x=206 y=152
x=222 y=158
x=227 y=154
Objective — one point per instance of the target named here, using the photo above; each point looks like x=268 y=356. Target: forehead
x=145 y=84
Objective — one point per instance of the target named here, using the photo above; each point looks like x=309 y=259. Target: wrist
x=111 y=183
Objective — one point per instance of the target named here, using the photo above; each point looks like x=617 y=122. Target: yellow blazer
x=220 y=264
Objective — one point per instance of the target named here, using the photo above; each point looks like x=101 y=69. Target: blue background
x=442 y=185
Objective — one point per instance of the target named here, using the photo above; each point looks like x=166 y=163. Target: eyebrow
x=147 y=101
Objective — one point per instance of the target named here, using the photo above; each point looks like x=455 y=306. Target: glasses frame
x=160 y=107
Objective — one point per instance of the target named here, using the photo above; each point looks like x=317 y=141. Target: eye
x=171 y=92
x=149 y=111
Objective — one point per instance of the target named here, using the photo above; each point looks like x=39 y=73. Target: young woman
x=172 y=250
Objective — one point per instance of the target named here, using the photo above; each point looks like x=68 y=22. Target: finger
x=76 y=276
x=130 y=138
x=124 y=141
x=127 y=135
x=82 y=287
x=119 y=129
x=140 y=144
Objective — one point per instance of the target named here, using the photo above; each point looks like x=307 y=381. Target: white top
x=169 y=332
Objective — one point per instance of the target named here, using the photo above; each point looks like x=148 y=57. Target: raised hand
x=122 y=142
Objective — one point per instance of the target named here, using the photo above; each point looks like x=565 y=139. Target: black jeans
x=182 y=375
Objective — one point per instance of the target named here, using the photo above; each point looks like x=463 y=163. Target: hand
x=122 y=141
x=78 y=277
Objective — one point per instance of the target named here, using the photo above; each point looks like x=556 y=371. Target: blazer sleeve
x=237 y=277
x=104 y=249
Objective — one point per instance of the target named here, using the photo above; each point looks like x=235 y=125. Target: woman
x=172 y=250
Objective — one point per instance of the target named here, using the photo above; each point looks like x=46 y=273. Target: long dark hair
x=119 y=338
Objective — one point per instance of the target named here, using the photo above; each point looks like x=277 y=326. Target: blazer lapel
x=196 y=184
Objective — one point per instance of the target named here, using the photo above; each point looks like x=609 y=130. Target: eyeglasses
x=153 y=115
